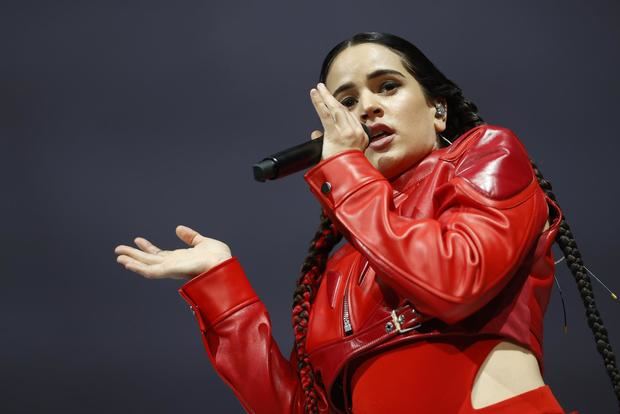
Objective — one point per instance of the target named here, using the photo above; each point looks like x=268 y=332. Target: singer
x=435 y=301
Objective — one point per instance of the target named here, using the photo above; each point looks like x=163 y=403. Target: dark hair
x=463 y=112
x=462 y=116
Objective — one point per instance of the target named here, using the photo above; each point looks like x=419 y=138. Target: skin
x=508 y=369
x=394 y=99
x=152 y=262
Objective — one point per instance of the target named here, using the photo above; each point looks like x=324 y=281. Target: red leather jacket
x=453 y=246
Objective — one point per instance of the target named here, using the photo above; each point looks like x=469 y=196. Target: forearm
x=236 y=332
x=449 y=265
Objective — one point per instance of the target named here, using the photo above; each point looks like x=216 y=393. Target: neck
x=416 y=172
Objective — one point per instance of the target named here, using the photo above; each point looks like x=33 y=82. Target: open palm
x=154 y=263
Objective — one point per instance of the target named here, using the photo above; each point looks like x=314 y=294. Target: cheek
x=412 y=113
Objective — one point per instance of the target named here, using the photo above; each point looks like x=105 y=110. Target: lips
x=378 y=131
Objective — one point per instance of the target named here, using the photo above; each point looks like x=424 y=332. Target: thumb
x=316 y=134
x=189 y=236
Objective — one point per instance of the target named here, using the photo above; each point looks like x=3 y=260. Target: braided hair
x=463 y=115
x=311 y=271
x=568 y=245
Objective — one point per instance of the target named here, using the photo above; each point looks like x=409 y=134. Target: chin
x=390 y=171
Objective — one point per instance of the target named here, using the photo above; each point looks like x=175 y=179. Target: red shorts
x=431 y=377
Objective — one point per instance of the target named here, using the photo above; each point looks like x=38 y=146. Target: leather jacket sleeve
x=236 y=333
x=487 y=217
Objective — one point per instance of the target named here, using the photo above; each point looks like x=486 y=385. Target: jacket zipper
x=346 y=317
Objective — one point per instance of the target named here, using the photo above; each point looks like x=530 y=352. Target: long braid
x=463 y=116
x=323 y=242
x=327 y=237
x=567 y=243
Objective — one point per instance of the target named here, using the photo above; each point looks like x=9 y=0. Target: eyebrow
x=372 y=75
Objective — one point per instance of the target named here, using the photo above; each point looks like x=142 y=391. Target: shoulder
x=493 y=160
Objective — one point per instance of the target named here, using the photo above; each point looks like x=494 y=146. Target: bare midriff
x=457 y=375
x=508 y=370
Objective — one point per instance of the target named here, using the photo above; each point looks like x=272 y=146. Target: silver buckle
x=397 y=322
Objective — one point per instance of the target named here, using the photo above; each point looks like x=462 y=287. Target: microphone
x=292 y=160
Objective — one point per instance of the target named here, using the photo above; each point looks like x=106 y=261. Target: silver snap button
x=389 y=327
x=326 y=187
x=401 y=319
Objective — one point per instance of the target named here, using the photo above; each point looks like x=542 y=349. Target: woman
x=435 y=303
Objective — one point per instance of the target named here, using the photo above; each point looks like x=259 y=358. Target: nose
x=370 y=107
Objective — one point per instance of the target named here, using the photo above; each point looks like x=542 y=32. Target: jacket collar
x=415 y=173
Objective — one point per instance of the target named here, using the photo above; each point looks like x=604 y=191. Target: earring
x=441 y=110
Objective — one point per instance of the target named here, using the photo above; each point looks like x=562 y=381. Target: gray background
x=121 y=119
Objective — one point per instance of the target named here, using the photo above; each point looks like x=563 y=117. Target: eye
x=389 y=86
x=349 y=101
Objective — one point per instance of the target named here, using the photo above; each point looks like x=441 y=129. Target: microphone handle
x=292 y=160
x=289 y=161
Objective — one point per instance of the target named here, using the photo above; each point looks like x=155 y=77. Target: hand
x=153 y=263
x=342 y=130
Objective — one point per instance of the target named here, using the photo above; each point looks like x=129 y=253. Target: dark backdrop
x=122 y=119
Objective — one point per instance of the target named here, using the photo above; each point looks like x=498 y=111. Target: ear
x=441 y=122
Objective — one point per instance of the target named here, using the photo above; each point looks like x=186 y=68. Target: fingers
x=147 y=264
x=330 y=110
x=316 y=134
x=189 y=236
x=328 y=99
x=149 y=271
x=148 y=247
x=340 y=112
x=333 y=108
x=322 y=110
x=137 y=255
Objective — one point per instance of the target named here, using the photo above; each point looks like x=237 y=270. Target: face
x=371 y=81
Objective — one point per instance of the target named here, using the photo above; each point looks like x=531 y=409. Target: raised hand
x=154 y=263
x=342 y=130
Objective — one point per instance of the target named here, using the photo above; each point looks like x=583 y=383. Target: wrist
x=208 y=268
x=221 y=259
x=219 y=292
x=213 y=265
x=332 y=152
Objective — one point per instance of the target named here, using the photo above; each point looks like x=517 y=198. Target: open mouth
x=381 y=138
x=379 y=135
x=379 y=131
